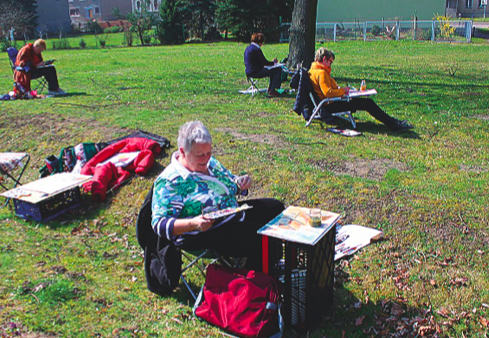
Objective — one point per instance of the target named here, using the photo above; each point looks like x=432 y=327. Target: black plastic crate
x=50 y=207
x=307 y=274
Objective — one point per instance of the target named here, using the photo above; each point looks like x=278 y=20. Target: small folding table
x=12 y=167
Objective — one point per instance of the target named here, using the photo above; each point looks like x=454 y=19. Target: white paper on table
x=121 y=159
x=351 y=238
x=275 y=66
x=356 y=93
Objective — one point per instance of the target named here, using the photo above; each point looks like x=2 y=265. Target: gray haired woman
x=196 y=183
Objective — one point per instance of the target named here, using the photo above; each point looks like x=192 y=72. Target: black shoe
x=401 y=126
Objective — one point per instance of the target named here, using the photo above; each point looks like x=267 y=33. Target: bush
x=93 y=26
x=426 y=35
x=375 y=30
x=147 y=39
x=113 y=29
x=212 y=34
x=128 y=37
x=4 y=44
x=62 y=43
x=82 y=43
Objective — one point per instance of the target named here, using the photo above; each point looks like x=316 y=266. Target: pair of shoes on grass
x=57 y=92
x=401 y=126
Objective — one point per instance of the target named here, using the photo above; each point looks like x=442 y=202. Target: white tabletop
x=44 y=188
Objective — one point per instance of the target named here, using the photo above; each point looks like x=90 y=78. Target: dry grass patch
x=257 y=138
x=362 y=168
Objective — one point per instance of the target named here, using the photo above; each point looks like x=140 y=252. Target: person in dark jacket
x=257 y=66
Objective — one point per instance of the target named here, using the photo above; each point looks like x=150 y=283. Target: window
x=155 y=5
x=138 y=6
x=481 y=5
x=468 y=3
x=96 y=10
x=75 y=11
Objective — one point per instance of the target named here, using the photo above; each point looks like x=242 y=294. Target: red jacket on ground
x=109 y=176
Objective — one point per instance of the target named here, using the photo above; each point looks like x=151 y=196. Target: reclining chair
x=41 y=81
x=306 y=96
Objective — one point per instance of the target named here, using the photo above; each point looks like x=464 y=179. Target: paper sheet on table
x=356 y=93
x=121 y=159
x=351 y=238
x=275 y=66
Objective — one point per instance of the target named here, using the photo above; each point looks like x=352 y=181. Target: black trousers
x=49 y=74
x=238 y=239
x=275 y=75
x=359 y=103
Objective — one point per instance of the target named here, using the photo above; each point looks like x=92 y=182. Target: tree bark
x=303 y=33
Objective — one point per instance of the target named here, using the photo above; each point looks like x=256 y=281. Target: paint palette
x=226 y=212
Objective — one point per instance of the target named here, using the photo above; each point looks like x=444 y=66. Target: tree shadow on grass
x=371 y=128
x=69 y=94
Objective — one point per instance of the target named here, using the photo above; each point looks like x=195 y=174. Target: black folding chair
x=12 y=167
x=40 y=80
x=196 y=259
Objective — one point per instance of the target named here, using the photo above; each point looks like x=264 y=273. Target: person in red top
x=30 y=65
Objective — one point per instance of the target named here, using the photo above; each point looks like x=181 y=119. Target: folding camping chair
x=197 y=259
x=41 y=81
x=12 y=167
x=253 y=86
x=346 y=115
x=307 y=96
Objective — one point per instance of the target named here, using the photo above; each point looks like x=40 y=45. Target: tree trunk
x=303 y=33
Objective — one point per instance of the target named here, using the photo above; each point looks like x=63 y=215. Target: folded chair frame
x=346 y=115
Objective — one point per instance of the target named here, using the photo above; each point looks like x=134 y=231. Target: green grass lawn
x=82 y=274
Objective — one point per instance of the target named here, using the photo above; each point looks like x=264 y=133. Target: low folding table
x=12 y=167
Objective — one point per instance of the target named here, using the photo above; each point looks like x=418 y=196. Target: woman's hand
x=275 y=60
x=244 y=182
x=346 y=89
x=200 y=223
x=40 y=64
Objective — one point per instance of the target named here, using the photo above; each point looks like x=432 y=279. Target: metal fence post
x=365 y=31
x=468 y=31
x=397 y=30
x=432 y=30
x=334 y=32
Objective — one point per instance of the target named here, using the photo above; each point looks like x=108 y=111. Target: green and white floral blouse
x=179 y=193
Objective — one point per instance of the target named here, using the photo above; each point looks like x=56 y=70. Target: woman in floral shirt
x=195 y=183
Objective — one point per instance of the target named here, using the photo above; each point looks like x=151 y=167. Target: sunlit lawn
x=427 y=189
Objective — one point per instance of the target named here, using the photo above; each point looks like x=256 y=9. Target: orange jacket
x=324 y=85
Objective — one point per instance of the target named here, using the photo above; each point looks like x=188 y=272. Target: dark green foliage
x=94 y=27
x=198 y=16
x=375 y=30
x=170 y=28
x=19 y=15
x=82 y=43
x=113 y=29
x=243 y=18
x=141 y=21
x=62 y=43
